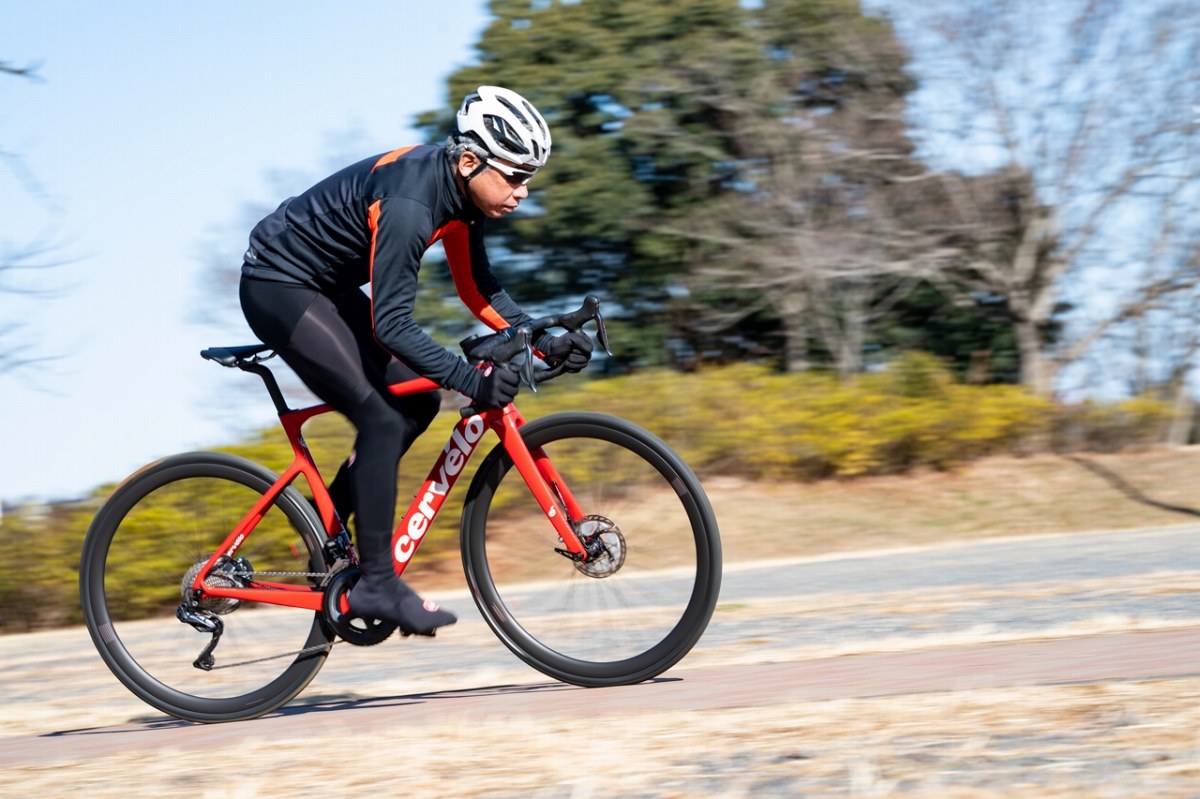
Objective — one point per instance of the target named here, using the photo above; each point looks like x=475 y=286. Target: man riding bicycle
x=371 y=223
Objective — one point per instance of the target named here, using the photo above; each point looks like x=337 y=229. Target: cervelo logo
x=454 y=457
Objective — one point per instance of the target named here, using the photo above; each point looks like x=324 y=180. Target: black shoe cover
x=385 y=596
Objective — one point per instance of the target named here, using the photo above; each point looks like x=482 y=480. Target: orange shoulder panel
x=392 y=156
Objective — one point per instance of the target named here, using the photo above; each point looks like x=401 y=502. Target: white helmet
x=508 y=126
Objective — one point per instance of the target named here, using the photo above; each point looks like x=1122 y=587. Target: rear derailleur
x=204 y=613
x=205 y=621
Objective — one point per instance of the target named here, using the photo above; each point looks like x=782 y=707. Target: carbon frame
x=547 y=485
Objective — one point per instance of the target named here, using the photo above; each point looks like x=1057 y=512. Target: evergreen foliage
x=663 y=113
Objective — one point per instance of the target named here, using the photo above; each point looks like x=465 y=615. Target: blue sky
x=154 y=126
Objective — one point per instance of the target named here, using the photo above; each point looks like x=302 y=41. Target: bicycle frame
x=544 y=481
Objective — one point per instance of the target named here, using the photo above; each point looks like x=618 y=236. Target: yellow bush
x=747 y=420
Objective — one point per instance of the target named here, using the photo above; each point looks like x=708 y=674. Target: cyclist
x=370 y=223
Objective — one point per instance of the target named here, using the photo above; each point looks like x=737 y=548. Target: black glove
x=496 y=387
x=573 y=349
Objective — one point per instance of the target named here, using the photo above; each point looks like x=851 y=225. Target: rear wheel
x=626 y=615
x=142 y=553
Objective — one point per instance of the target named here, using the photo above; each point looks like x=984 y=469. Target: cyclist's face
x=495 y=193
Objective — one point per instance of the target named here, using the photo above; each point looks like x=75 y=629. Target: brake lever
x=527 y=366
x=591 y=310
x=601 y=333
x=575 y=320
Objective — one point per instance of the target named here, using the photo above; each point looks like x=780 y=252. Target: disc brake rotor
x=605 y=544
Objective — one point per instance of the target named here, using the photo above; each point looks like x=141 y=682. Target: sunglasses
x=515 y=177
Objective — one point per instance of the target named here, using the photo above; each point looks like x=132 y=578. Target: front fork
x=548 y=487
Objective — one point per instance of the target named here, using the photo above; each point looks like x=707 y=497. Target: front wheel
x=617 y=619
x=140 y=557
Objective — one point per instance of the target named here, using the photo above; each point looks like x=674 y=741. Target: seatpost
x=272 y=386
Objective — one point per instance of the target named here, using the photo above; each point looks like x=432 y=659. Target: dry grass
x=992 y=497
x=1106 y=740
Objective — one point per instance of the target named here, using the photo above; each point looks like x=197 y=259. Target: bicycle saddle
x=236 y=356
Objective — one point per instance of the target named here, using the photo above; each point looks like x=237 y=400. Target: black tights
x=332 y=348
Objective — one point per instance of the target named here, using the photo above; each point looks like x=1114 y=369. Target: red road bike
x=598 y=562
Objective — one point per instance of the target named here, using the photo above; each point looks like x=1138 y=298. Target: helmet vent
x=536 y=118
x=500 y=131
x=520 y=117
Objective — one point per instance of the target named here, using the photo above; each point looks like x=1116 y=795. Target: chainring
x=352 y=628
x=588 y=529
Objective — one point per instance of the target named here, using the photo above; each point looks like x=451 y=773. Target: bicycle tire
x=620 y=629
x=151 y=530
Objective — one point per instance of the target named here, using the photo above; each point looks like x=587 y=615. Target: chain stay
x=211 y=666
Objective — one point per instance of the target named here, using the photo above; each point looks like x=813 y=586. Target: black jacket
x=371 y=223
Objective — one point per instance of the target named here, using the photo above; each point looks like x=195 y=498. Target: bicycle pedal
x=407 y=633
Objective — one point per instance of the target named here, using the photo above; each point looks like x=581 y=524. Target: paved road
x=1026 y=588
x=989 y=581
x=1073 y=660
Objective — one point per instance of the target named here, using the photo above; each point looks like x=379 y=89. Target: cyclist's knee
x=377 y=419
x=420 y=409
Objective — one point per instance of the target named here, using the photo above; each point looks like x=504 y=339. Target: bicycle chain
x=279 y=574
x=298 y=652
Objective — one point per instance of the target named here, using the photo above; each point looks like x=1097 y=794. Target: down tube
x=429 y=499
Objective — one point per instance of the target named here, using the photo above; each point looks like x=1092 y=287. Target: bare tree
x=1159 y=351
x=829 y=226
x=829 y=257
x=1087 y=106
x=19 y=261
x=16 y=351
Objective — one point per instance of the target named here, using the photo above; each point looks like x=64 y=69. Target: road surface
x=1064 y=610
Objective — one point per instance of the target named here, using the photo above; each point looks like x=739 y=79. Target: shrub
x=748 y=421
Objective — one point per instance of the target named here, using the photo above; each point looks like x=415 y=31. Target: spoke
x=611 y=612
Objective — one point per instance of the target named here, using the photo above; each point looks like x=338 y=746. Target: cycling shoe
x=380 y=594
